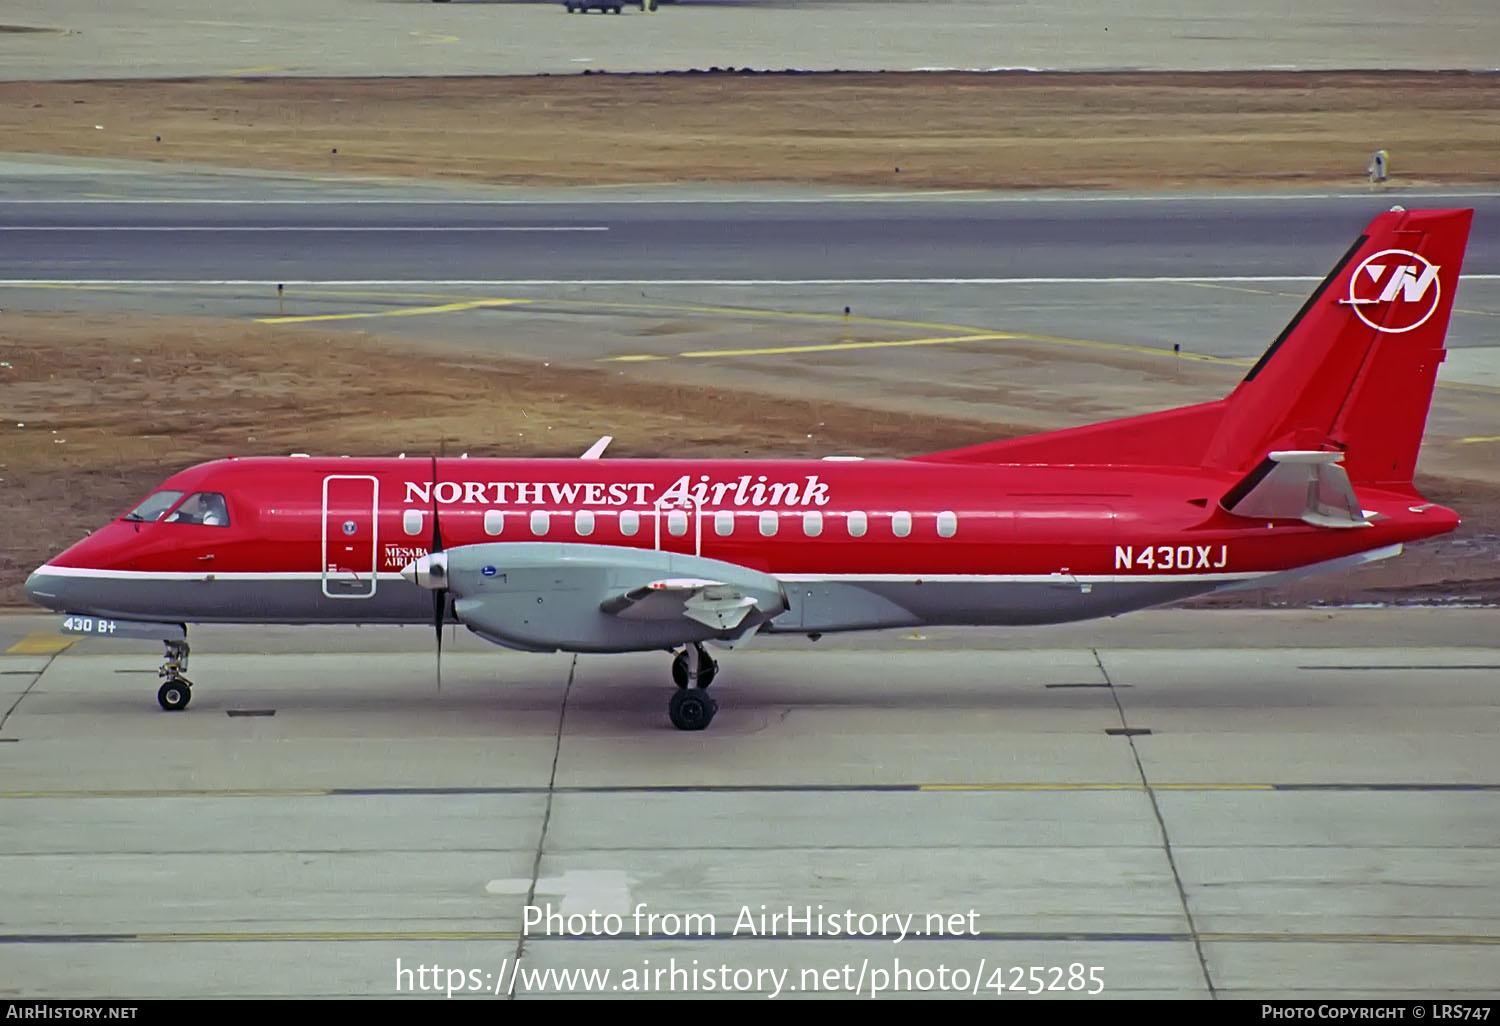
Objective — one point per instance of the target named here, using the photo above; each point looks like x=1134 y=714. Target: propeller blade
x=439 y=595
x=437 y=533
x=439 y=599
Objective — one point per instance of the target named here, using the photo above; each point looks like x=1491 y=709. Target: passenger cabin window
x=630 y=522
x=901 y=524
x=411 y=521
x=539 y=522
x=583 y=522
x=947 y=524
x=812 y=524
x=724 y=523
x=677 y=522
x=494 y=521
x=207 y=508
x=155 y=505
x=858 y=524
x=768 y=523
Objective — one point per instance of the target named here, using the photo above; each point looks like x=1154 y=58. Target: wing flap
x=712 y=603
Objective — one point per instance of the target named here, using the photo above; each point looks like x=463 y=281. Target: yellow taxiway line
x=408 y=311
x=940 y=340
x=40 y=644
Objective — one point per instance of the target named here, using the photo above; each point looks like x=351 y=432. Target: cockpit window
x=206 y=508
x=155 y=505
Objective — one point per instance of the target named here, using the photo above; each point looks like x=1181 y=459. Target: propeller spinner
x=428 y=571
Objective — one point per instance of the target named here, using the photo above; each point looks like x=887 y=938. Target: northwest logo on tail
x=1399 y=277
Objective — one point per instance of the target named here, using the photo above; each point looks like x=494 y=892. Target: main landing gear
x=176 y=691
x=692 y=671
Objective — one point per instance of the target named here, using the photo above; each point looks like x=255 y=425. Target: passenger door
x=351 y=504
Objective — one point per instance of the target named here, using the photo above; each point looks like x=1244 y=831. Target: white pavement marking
x=582 y=890
x=964 y=196
x=295 y=228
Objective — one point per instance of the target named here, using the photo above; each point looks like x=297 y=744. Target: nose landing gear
x=693 y=671
x=177 y=690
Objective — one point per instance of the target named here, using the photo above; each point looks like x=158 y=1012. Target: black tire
x=174 y=695
x=691 y=709
x=680 y=670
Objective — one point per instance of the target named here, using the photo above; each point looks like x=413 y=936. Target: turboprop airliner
x=1306 y=466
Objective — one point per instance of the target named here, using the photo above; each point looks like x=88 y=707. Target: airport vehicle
x=603 y=6
x=1306 y=466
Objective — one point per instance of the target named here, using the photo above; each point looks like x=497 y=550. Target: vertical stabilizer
x=1355 y=369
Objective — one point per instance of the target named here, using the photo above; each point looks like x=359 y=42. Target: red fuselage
x=359 y=522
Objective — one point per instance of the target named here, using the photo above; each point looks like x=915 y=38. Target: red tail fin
x=1355 y=369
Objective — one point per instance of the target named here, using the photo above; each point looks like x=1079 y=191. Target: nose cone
x=41 y=588
x=429 y=571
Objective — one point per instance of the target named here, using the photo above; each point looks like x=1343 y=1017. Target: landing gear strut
x=176 y=691
x=707 y=668
x=690 y=707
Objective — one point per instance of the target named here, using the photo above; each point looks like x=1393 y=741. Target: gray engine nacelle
x=550 y=596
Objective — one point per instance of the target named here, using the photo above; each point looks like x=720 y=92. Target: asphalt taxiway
x=1293 y=805
x=110 y=221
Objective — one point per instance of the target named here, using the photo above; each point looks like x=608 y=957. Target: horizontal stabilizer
x=1308 y=486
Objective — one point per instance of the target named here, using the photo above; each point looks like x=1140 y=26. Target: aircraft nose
x=430 y=571
x=41 y=589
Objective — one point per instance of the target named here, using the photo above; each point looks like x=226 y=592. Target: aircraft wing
x=712 y=603
x=599 y=598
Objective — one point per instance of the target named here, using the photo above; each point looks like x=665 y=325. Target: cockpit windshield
x=201 y=508
x=155 y=505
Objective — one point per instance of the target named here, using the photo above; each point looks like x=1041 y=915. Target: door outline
x=374 y=539
x=1103 y=511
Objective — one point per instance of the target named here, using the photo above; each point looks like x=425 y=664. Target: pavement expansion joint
x=1166 y=840
x=541 y=841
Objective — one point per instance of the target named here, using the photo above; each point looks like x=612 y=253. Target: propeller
x=438 y=571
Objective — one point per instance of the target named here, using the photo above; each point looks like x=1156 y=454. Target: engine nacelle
x=550 y=596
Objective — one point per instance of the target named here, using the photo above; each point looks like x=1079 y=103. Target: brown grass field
x=1017 y=130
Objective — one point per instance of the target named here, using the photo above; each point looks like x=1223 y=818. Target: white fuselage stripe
x=937 y=578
